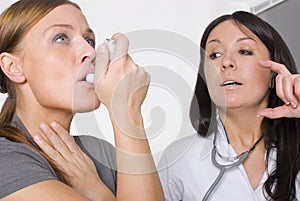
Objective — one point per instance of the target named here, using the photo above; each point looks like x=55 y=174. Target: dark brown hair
x=281 y=134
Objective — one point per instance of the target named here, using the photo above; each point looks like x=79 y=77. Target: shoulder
x=15 y=153
x=94 y=145
x=21 y=166
x=99 y=149
x=186 y=149
x=193 y=144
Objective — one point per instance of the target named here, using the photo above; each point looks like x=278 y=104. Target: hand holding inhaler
x=119 y=83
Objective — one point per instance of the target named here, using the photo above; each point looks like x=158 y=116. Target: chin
x=85 y=106
x=229 y=105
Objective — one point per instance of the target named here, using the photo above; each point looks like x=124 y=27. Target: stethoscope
x=239 y=159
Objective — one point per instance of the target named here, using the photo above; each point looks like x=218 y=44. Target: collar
x=222 y=142
x=224 y=146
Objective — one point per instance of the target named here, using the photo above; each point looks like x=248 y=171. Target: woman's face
x=52 y=60
x=234 y=77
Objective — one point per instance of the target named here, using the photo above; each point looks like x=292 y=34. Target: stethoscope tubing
x=222 y=168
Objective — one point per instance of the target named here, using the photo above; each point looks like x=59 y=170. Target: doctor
x=245 y=111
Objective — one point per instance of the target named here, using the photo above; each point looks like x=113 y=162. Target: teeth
x=90 y=78
x=228 y=82
x=231 y=83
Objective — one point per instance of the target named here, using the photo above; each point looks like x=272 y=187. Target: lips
x=87 y=71
x=88 y=77
x=230 y=83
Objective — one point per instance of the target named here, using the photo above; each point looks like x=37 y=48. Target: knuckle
x=148 y=77
x=278 y=78
x=280 y=94
x=121 y=38
x=281 y=66
x=54 y=155
x=297 y=80
x=286 y=79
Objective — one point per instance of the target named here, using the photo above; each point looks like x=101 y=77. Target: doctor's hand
x=79 y=170
x=287 y=89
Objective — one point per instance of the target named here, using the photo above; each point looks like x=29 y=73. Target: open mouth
x=89 y=78
x=230 y=83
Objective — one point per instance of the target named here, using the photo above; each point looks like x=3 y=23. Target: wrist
x=127 y=119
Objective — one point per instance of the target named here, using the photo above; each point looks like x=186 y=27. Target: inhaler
x=111 y=44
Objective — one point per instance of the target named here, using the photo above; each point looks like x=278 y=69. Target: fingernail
x=258 y=115
x=54 y=124
x=293 y=105
x=43 y=126
x=37 y=138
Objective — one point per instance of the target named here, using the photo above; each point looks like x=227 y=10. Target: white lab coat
x=186 y=172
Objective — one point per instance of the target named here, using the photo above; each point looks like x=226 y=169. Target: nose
x=86 y=51
x=228 y=61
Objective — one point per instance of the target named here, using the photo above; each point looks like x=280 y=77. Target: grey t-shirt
x=21 y=166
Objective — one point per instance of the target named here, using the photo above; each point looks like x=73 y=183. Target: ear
x=11 y=68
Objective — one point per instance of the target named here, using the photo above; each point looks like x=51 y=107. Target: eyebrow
x=68 y=26
x=238 y=40
x=247 y=38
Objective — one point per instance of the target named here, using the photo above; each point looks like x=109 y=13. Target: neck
x=33 y=115
x=243 y=127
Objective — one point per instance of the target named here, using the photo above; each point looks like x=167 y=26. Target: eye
x=61 y=38
x=91 y=42
x=245 y=52
x=214 y=55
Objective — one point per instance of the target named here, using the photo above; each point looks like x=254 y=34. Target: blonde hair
x=15 y=22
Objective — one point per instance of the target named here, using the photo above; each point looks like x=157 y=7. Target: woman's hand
x=79 y=170
x=120 y=84
x=287 y=89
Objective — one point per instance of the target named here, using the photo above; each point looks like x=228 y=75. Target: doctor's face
x=234 y=77
x=54 y=51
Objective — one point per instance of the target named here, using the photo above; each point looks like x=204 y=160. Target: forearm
x=99 y=192
x=137 y=174
x=122 y=87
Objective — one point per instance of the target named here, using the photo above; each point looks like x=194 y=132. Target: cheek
x=259 y=73
x=212 y=74
x=213 y=80
x=260 y=79
x=49 y=79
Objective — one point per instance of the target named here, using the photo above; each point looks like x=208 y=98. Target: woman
x=245 y=110
x=46 y=56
